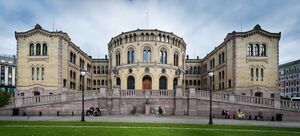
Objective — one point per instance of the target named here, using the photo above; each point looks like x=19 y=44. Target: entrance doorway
x=147 y=82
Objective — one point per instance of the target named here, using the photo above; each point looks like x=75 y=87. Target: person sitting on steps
x=260 y=115
x=240 y=114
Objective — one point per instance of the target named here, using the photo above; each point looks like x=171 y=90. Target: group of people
x=93 y=112
x=240 y=114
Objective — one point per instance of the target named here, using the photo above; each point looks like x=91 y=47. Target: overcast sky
x=202 y=24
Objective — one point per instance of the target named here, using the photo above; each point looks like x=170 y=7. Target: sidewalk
x=156 y=119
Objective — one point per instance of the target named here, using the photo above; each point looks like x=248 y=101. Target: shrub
x=133 y=111
x=4 y=98
x=160 y=110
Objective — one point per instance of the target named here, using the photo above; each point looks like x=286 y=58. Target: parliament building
x=245 y=63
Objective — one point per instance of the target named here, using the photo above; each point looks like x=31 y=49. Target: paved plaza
x=156 y=119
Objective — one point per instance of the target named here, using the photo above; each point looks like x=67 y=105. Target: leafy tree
x=4 y=98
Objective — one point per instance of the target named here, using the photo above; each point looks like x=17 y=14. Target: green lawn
x=10 y=128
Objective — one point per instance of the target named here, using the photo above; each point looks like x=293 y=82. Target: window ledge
x=37 y=58
x=257 y=59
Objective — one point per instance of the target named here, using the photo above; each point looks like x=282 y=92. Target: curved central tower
x=147 y=59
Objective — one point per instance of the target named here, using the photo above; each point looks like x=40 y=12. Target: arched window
x=152 y=37
x=134 y=37
x=130 y=56
x=118 y=58
x=256 y=50
x=37 y=73
x=250 y=50
x=74 y=58
x=126 y=39
x=98 y=82
x=163 y=82
x=102 y=82
x=118 y=81
x=176 y=58
x=31 y=50
x=258 y=94
x=168 y=39
x=147 y=54
x=130 y=38
x=257 y=73
x=94 y=70
x=45 y=49
x=163 y=38
x=262 y=74
x=71 y=56
x=94 y=82
x=74 y=75
x=147 y=37
x=32 y=73
x=252 y=74
x=163 y=56
x=38 y=49
x=130 y=82
x=98 y=70
x=43 y=72
x=175 y=83
x=263 y=50
x=159 y=38
x=142 y=37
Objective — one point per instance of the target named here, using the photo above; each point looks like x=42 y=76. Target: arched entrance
x=118 y=82
x=163 y=82
x=258 y=94
x=130 y=82
x=36 y=93
x=147 y=82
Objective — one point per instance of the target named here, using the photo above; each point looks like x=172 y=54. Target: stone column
x=192 y=111
x=102 y=101
x=179 y=102
x=19 y=102
x=115 y=101
x=277 y=104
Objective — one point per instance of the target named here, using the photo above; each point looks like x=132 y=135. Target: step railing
x=162 y=93
x=290 y=105
x=223 y=96
x=250 y=100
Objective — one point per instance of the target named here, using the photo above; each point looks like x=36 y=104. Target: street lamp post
x=210 y=74
x=82 y=73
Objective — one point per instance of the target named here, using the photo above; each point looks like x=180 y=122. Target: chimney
x=105 y=56
x=187 y=56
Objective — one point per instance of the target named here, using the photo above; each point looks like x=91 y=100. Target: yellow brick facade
x=149 y=59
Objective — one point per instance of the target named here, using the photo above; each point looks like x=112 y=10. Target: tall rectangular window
x=2 y=75
x=9 y=75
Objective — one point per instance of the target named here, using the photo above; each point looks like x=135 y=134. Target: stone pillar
x=277 y=104
x=102 y=92
x=179 y=102
x=192 y=111
x=102 y=103
x=115 y=101
x=116 y=90
x=147 y=109
x=19 y=102
x=63 y=96
x=232 y=98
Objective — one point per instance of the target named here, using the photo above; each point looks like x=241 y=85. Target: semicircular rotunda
x=147 y=59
